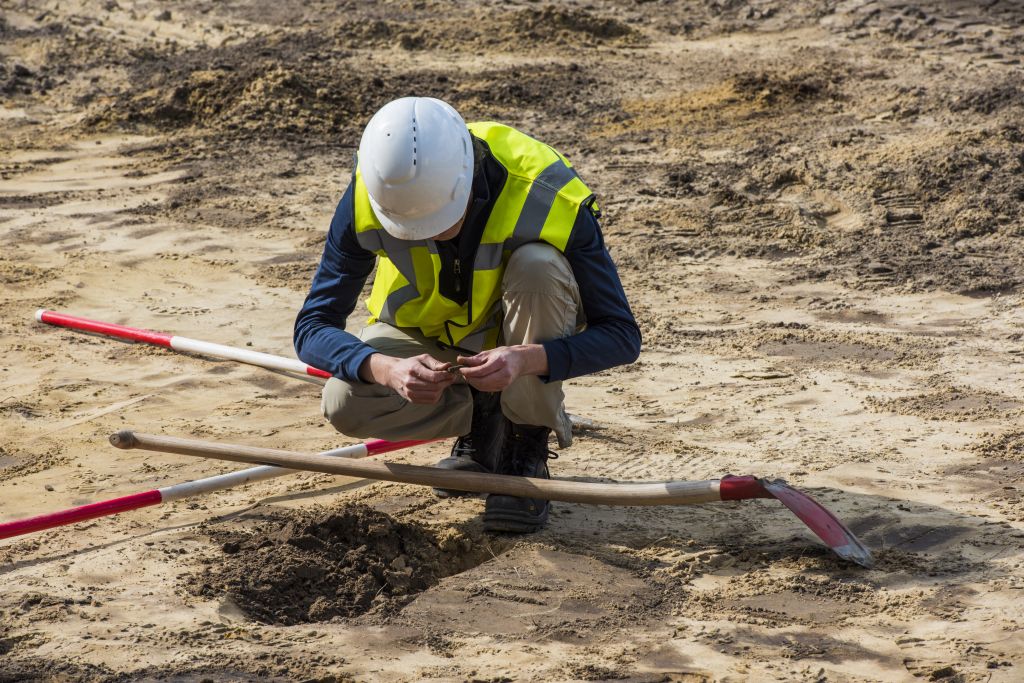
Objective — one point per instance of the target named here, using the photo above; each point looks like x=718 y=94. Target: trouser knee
x=339 y=407
x=369 y=411
x=538 y=267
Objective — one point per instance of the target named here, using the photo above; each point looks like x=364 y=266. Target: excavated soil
x=309 y=566
x=815 y=209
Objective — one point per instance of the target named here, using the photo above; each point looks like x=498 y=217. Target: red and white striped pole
x=183 y=344
x=191 y=488
x=184 y=490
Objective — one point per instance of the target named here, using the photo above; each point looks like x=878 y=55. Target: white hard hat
x=416 y=158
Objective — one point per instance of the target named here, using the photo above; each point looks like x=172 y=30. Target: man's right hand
x=420 y=379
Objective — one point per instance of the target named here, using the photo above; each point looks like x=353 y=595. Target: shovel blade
x=822 y=522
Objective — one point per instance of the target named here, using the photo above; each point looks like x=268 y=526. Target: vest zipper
x=457 y=269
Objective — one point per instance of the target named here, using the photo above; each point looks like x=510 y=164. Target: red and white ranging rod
x=190 y=488
x=182 y=344
x=186 y=489
x=205 y=348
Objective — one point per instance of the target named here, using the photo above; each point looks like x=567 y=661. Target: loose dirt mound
x=557 y=23
x=308 y=566
x=991 y=98
x=1007 y=445
x=303 y=90
x=43 y=671
x=287 y=85
x=548 y=27
x=957 y=404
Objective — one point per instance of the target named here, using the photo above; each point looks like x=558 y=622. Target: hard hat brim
x=431 y=225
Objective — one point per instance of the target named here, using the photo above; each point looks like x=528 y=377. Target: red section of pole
x=176 y=343
x=378 y=446
x=80 y=513
x=140 y=500
x=741 y=488
x=109 y=329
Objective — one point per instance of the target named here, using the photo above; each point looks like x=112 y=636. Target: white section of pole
x=259 y=358
x=246 y=476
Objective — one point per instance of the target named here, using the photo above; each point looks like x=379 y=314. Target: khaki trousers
x=540 y=301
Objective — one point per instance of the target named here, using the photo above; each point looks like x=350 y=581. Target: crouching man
x=489 y=257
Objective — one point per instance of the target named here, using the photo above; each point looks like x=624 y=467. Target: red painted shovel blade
x=822 y=522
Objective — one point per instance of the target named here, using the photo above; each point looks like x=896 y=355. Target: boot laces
x=526 y=451
x=463 y=447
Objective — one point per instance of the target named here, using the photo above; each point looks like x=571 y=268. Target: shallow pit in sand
x=302 y=566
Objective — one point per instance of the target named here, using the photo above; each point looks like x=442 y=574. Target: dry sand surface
x=815 y=207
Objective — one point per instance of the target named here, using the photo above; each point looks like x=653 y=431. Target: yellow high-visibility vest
x=538 y=203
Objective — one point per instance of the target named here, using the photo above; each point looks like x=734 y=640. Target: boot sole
x=452 y=493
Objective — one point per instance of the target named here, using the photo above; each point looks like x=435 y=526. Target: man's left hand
x=495 y=369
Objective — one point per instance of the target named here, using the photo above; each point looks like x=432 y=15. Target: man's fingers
x=488 y=384
x=420 y=386
x=473 y=361
x=496 y=381
x=490 y=366
x=485 y=386
x=433 y=376
x=432 y=363
x=479 y=385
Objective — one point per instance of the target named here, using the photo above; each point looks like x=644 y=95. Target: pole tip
x=123 y=439
x=39 y=314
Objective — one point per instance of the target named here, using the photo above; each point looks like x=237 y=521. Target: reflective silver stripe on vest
x=539 y=201
x=370 y=240
x=403 y=262
x=396 y=250
x=488 y=256
x=396 y=300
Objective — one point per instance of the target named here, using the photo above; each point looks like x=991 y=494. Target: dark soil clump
x=34 y=669
x=297 y=567
x=554 y=23
x=547 y=29
x=794 y=87
x=301 y=90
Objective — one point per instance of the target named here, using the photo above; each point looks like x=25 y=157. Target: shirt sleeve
x=612 y=336
x=320 y=337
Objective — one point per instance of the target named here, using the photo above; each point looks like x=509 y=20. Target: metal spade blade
x=822 y=522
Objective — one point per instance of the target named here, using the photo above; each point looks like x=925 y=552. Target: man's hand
x=495 y=369
x=420 y=379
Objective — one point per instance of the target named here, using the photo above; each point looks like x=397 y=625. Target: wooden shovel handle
x=660 y=493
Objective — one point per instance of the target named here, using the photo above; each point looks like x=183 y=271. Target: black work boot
x=526 y=455
x=480 y=450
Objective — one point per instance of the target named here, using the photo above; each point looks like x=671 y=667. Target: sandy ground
x=815 y=207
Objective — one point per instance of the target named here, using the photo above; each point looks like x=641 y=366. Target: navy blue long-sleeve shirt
x=611 y=336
